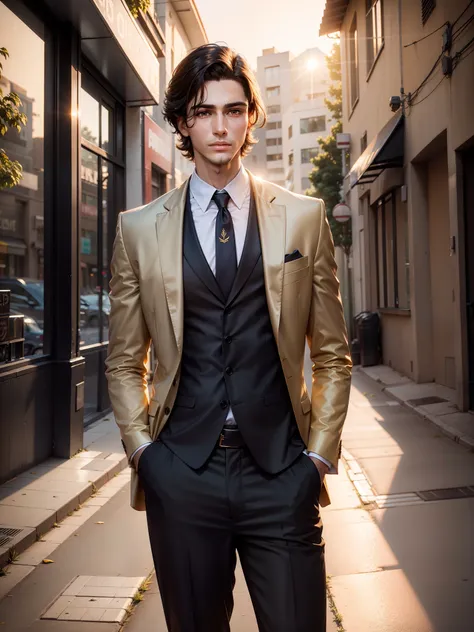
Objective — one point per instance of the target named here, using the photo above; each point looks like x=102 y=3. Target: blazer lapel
x=250 y=254
x=169 y=232
x=272 y=227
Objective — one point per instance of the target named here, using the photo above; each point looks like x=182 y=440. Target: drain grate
x=7 y=534
x=425 y=401
x=448 y=494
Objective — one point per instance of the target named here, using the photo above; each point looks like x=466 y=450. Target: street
x=395 y=563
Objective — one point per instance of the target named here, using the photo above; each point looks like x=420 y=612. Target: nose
x=220 y=128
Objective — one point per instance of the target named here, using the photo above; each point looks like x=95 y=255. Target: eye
x=202 y=114
x=235 y=112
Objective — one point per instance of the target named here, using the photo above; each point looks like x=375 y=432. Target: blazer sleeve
x=129 y=341
x=327 y=339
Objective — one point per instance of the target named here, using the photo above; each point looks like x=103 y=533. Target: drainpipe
x=402 y=88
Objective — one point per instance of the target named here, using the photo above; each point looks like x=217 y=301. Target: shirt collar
x=238 y=189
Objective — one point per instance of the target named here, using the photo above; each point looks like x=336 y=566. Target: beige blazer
x=303 y=301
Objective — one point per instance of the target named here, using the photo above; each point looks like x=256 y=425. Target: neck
x=217 y=176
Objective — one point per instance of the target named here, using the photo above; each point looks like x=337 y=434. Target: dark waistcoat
x=230 y=358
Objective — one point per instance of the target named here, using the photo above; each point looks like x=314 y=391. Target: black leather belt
x=231 y=438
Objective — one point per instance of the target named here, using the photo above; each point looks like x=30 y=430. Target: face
x=218 y=126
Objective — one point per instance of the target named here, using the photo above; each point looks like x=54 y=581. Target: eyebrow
x=205 y=106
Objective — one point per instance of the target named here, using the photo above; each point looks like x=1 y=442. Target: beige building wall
x=425 y=338
x=442 y=272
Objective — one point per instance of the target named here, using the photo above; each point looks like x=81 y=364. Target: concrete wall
x=428 y=343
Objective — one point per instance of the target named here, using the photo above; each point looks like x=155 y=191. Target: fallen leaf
x=46 y=561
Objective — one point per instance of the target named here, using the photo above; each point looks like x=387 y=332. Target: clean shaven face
x=218 y=125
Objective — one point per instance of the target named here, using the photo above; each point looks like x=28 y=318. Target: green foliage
x=136 y=5
x=326 y=177
x=10 y=117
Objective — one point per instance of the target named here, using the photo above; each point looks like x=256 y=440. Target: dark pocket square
x=296 y=254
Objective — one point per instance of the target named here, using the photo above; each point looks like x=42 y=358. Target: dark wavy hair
x=210 y=62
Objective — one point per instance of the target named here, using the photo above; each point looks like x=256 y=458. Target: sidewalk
x=432 y=401
x=402 y=558
x=31 y=503
x=399 y=532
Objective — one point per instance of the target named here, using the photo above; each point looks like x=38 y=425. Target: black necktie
x=226 y=255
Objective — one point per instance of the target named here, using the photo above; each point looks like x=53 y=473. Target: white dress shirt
x=204 y=211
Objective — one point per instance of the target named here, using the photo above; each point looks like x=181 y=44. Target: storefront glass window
x=22 y=249
x=90 y=118
x=90 y=319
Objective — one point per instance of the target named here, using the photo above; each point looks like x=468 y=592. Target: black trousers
x=198 y=519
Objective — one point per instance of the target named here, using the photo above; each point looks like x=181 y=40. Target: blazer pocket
x=296 y=264
x=185 y=402
x=306 y=405
x=293 y=276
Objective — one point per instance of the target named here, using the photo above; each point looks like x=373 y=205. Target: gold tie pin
x=224 y=238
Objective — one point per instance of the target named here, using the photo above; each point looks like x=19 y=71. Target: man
x=228 y=277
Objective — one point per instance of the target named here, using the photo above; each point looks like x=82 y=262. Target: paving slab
x=385 y=375
x=117 y=548
x=47 y=492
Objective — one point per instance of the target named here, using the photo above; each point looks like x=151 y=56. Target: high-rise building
x=293 y=90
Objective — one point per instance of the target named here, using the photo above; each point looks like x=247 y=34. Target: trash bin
x=368 y=335
x=355 y=352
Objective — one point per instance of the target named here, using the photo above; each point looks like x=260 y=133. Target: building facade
x=89 y=75
x=407 y=88
x=293 y=89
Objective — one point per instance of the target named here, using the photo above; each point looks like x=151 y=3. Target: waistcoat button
x=224 y=403
x=229 y=370
x=228 y=339
x=167 y=410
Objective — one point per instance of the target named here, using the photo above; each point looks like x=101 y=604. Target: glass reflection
x=90 y=126
x=22 y=207
x=90 y=286
x=105 y=129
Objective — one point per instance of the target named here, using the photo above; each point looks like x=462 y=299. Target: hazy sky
x=251 y=25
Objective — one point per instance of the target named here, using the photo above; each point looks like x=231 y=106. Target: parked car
x=34 y=335
x=90 y=304
x=26 y=297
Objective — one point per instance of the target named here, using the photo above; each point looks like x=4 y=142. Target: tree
x=10 y=117
x=136 y=6
x=326 y=177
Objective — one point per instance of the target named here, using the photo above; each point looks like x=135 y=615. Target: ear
x=182 y=127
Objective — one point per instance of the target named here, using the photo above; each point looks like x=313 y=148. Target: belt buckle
x=222 y=440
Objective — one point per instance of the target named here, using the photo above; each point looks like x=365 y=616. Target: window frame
x=372 y=6
x=274 y=109
x=381 y=209
x=308 y=149
x=313 y=118
x=270 y=80
x=274 y=157
x=353 y=65
x=272 y=96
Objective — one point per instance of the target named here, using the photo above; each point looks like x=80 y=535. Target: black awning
x=115 y=44
x=386 y=151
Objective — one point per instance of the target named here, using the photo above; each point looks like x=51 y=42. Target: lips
x=220 y=145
